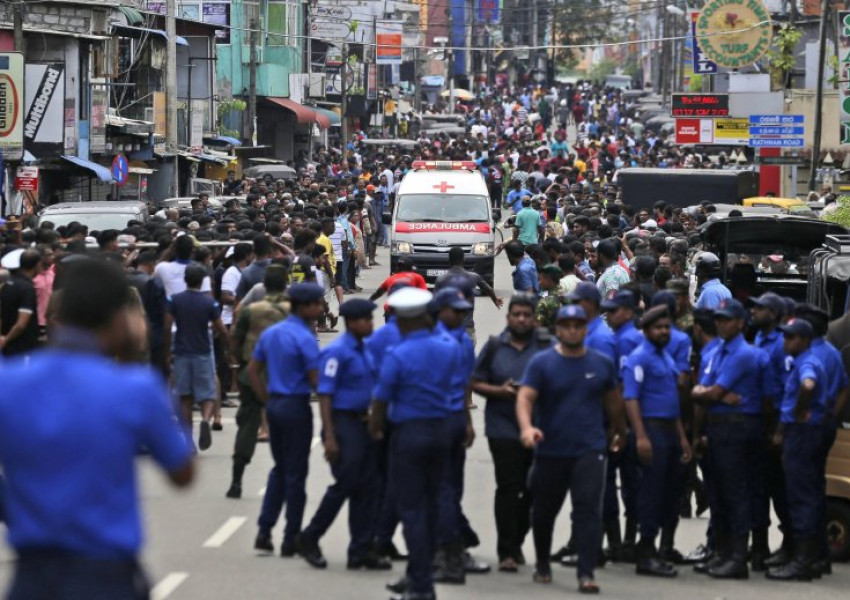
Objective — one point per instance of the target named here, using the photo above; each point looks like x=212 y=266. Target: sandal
x=586 y=585
x=542 y=575
x=508 y=565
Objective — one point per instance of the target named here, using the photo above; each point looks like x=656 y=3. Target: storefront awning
x=222 y=139
x=333 y=117
x=303 y=114
x=101 y=172
x=132 y=126
x=132 y=31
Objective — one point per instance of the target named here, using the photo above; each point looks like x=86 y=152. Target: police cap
x=410 y=302
x=798 y=327
x=770 y=301
x=305 y=293
x=654 y=314
x=356 y=308
x=585 y=291
x=450 y=297
x=730 y=309
x=571 y=312
x=623 y=299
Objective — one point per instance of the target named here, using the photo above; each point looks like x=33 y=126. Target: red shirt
x=410 y=278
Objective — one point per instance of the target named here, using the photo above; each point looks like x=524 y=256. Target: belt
x=667 y=424
x=721 y=418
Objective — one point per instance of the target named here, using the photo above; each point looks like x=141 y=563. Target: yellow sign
x=734 y=33
x=732 y=132
x=159 y=113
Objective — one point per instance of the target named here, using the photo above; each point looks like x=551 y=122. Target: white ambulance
x=440 y=205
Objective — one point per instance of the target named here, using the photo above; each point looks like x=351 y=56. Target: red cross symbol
x=444 y=187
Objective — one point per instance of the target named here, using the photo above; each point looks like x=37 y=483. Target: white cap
x=650 y=224
x=12 y=260
x=410 y=301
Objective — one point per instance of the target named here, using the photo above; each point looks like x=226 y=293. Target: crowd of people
x=624 y=364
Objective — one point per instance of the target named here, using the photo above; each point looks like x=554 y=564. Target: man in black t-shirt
x=18 y=321
x=466 y=282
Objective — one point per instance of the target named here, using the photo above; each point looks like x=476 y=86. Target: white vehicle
x=439 y=205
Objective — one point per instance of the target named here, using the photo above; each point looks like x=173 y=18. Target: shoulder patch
x=639 y=374
x=331 y=367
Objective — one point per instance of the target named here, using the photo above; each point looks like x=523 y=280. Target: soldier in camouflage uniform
x=551 y=294
x=684 y=311
x=252 y=321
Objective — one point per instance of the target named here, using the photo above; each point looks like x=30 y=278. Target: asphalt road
x=199 y=544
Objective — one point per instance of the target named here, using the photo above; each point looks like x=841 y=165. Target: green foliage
x=781 y=57
x=577 y=22
x=224 y=109
x=598 y=71
x=842 y=215
x=695 y=83
x=833 y=63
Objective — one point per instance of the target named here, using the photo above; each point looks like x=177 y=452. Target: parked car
x=97 y=216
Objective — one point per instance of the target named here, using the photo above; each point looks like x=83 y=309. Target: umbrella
x=276 y=171
x=459 y=93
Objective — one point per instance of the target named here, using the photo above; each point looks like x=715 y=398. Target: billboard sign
x=11 y=105
x=44 y=117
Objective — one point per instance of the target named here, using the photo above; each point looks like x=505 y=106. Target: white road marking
x=224 y=532
x=164 y=588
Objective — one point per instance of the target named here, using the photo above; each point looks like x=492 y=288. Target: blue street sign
x=120 y=169
x=776 y=143
x=776 y=120
x=777 y=130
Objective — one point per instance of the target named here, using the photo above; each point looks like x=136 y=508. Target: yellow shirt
x=326 y=243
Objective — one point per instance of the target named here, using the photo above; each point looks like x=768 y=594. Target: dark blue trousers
x=2 y=499
x=420 y=450
x=450 y=513
x=290 y=435
x=355 y=475
x=551 y=478
x=659 y=481
x=829 y=429
x=387 y=519
x=57 y=575
x=804 y=478
x=624 y=462
x=734 y=444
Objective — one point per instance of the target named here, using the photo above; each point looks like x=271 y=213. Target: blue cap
x=797 y=326
x=451 y=297
x=571 y=312
x=585 y=291
x=664 y=298
x=730 y=309
x=304 y=293
x=622 y=299
x=356 y=308
x=770 y=301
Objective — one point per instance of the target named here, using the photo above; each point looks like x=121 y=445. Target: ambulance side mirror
x=387 y=218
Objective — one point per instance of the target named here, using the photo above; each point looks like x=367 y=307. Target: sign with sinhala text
x=844 y=74
x=11 y=105
x=734 y=33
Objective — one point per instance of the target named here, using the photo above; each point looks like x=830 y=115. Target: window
x=278 y=23
x=250 y=12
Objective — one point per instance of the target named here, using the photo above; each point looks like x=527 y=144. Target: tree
x=225 y=114
x=781 y=57
x=582 y=22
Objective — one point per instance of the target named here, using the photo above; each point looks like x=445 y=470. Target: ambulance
x=440 y=205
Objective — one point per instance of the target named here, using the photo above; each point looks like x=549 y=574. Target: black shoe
x=217 y=427
x=627 y=553
x=288 y=550
x=563 y=552
x=655 y=567
x=734 y=568
x=714 y=561
x=263 y=543
x=474 y=567
x=369 y=563
x=310 y=551
x=671 y=555
x=822 y=567
x=700 y=555
x=205 y=438
x=235 y=491
x=413 y=596
x=398 y=587
x=781 y=557
x=799 y=569
x=388 y=550
x=470 y=539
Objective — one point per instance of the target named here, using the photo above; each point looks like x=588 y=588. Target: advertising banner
x=218 y=13
x=44 y=116
x=97 y=135
x=11 y=105
x=388 y=39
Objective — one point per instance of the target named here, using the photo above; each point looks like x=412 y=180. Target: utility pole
x=824 y=17
x=18 y=25
x=343 y=84
x=171 y=89
x=252 y=83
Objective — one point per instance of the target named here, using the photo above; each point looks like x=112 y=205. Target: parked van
x=440 y=205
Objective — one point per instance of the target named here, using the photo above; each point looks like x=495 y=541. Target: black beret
x=653 y=314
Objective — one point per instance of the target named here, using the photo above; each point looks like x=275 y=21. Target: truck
x=642 y=188
x=440 y=205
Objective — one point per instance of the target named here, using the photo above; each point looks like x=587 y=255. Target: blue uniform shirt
x=740 y=368
x=627 y=338
x=806 y=366
x=712 y=294
x=833 y=366
x=416 y=377
x=71 y=426
x=569 y=407
x=347 y=373
x=601 y=338
x=464 y=367
x=679 y=349
x=525 y=276
x=706 y=355
x=774 y=344
x=649 y=377
x=290 y=350
x=383 y=340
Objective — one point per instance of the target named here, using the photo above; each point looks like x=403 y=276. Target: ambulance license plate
x=435 y=272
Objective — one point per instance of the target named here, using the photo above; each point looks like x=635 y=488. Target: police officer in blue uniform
x=711 y=291
x=346 y=380
x=413 y=389
x=837 y=390
x=288 y=353
x=620 y=312
x=450 y=308
x=804 y=406
x=732 y=390
x=657 y=436
x=69 y=452
x=569 y=435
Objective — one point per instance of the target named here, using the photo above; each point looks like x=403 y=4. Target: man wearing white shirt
x=241 y=256
x=171 y=273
